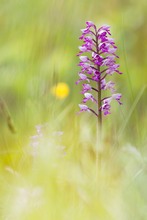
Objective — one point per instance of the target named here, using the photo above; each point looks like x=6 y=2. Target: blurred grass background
x=38 y=47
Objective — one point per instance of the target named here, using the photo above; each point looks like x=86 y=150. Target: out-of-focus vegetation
x=50 y=173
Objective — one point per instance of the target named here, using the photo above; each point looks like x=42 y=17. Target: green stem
x=99 y=113
x=99 y=98
x=99 y=118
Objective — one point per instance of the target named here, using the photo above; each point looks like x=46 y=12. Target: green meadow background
x=38 y=47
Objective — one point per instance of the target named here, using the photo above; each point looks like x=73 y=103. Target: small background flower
x=61 y=90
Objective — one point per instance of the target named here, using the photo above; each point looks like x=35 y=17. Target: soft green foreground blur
x=55 y=177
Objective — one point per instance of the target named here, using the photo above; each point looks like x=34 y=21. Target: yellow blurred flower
x=61 y=90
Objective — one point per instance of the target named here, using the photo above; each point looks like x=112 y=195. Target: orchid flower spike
x=97 y=66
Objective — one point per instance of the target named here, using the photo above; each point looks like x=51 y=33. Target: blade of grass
x=131 y=111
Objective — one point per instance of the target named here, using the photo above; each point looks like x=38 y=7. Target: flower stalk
x=99 y=92
x=97 y=66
